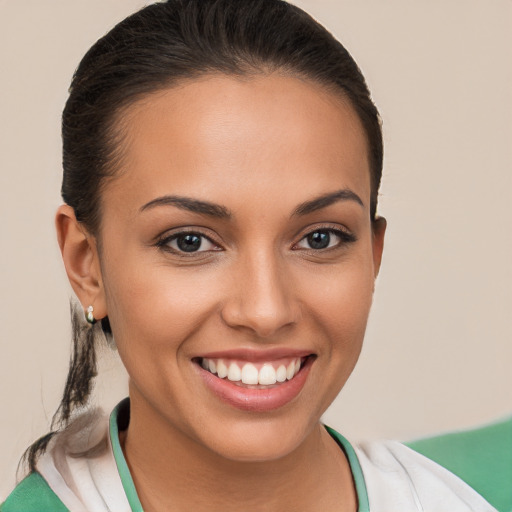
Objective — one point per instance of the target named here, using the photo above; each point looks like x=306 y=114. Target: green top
x=481 y=457
x=33 y=494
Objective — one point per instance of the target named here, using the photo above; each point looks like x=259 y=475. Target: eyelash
x=345 y=238
x=164 y=242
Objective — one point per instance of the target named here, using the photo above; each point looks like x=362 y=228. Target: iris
x=189 y=242
x=319 y=239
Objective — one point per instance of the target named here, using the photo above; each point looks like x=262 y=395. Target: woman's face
x=238 y=234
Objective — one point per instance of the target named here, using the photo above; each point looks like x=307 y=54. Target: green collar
x=120 y=418
x=355 y=468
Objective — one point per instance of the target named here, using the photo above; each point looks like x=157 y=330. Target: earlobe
x=81 y=260
x=379 y=231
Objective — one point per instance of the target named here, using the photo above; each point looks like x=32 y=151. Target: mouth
x=257 y=386
x=251 y=374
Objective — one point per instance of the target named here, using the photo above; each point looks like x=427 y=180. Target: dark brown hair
x=155 y=48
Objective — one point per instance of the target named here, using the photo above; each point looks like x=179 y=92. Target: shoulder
x=33 y=494
x=399 y=479
x=80 y=467
x=481 y=457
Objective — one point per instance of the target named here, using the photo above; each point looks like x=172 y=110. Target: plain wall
x=438 y=350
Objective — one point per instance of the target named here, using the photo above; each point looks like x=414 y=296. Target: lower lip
x=256 y=400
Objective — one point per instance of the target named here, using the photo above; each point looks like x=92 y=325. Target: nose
x=261 y=298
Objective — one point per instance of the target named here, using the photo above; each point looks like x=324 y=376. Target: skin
x=260 y=147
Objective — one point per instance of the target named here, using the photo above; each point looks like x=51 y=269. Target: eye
x=187 y=242
x=325 y=239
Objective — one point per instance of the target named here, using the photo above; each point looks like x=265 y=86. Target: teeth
x=281 y=373
x=267 y=374
x=234 y=373
x=290 y=371
x=249 y=374
x=222 y=369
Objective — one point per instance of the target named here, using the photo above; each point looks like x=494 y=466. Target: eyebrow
x=221 y=212
x=327 y=200
x=192 y=205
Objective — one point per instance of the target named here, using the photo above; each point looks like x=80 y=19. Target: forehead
x=218 y=136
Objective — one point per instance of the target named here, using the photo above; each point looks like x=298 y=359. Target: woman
x=222 y=161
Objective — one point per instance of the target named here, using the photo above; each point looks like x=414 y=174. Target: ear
x=379 y=230
x=80 y=255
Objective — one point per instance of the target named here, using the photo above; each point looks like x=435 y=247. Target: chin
x=264 y=440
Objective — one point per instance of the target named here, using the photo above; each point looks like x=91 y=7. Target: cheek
x=340 y=303
x=343 y=296
x=154 y=308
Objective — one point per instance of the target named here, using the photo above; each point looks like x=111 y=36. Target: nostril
x=261 y=301
x=263 y=324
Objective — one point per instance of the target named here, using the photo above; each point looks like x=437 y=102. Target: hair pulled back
x=156 y=48
x=183 y=39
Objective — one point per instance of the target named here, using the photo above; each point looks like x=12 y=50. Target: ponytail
x=79 y=382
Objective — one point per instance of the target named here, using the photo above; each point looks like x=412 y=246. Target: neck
x=173 y=472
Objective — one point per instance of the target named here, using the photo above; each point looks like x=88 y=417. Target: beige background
x=438 y=351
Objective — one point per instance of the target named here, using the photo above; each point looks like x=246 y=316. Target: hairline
x=117 y=126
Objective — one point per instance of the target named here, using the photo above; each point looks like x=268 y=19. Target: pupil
x=319 y=240
x=189 y=243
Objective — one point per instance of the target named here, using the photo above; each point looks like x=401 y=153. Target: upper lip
x=256 y=355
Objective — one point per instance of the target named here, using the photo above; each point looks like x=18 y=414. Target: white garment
x=80 y=468
x=399 y=479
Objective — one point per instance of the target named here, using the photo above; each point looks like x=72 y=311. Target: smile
x=255 y=384
x=256 y=375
